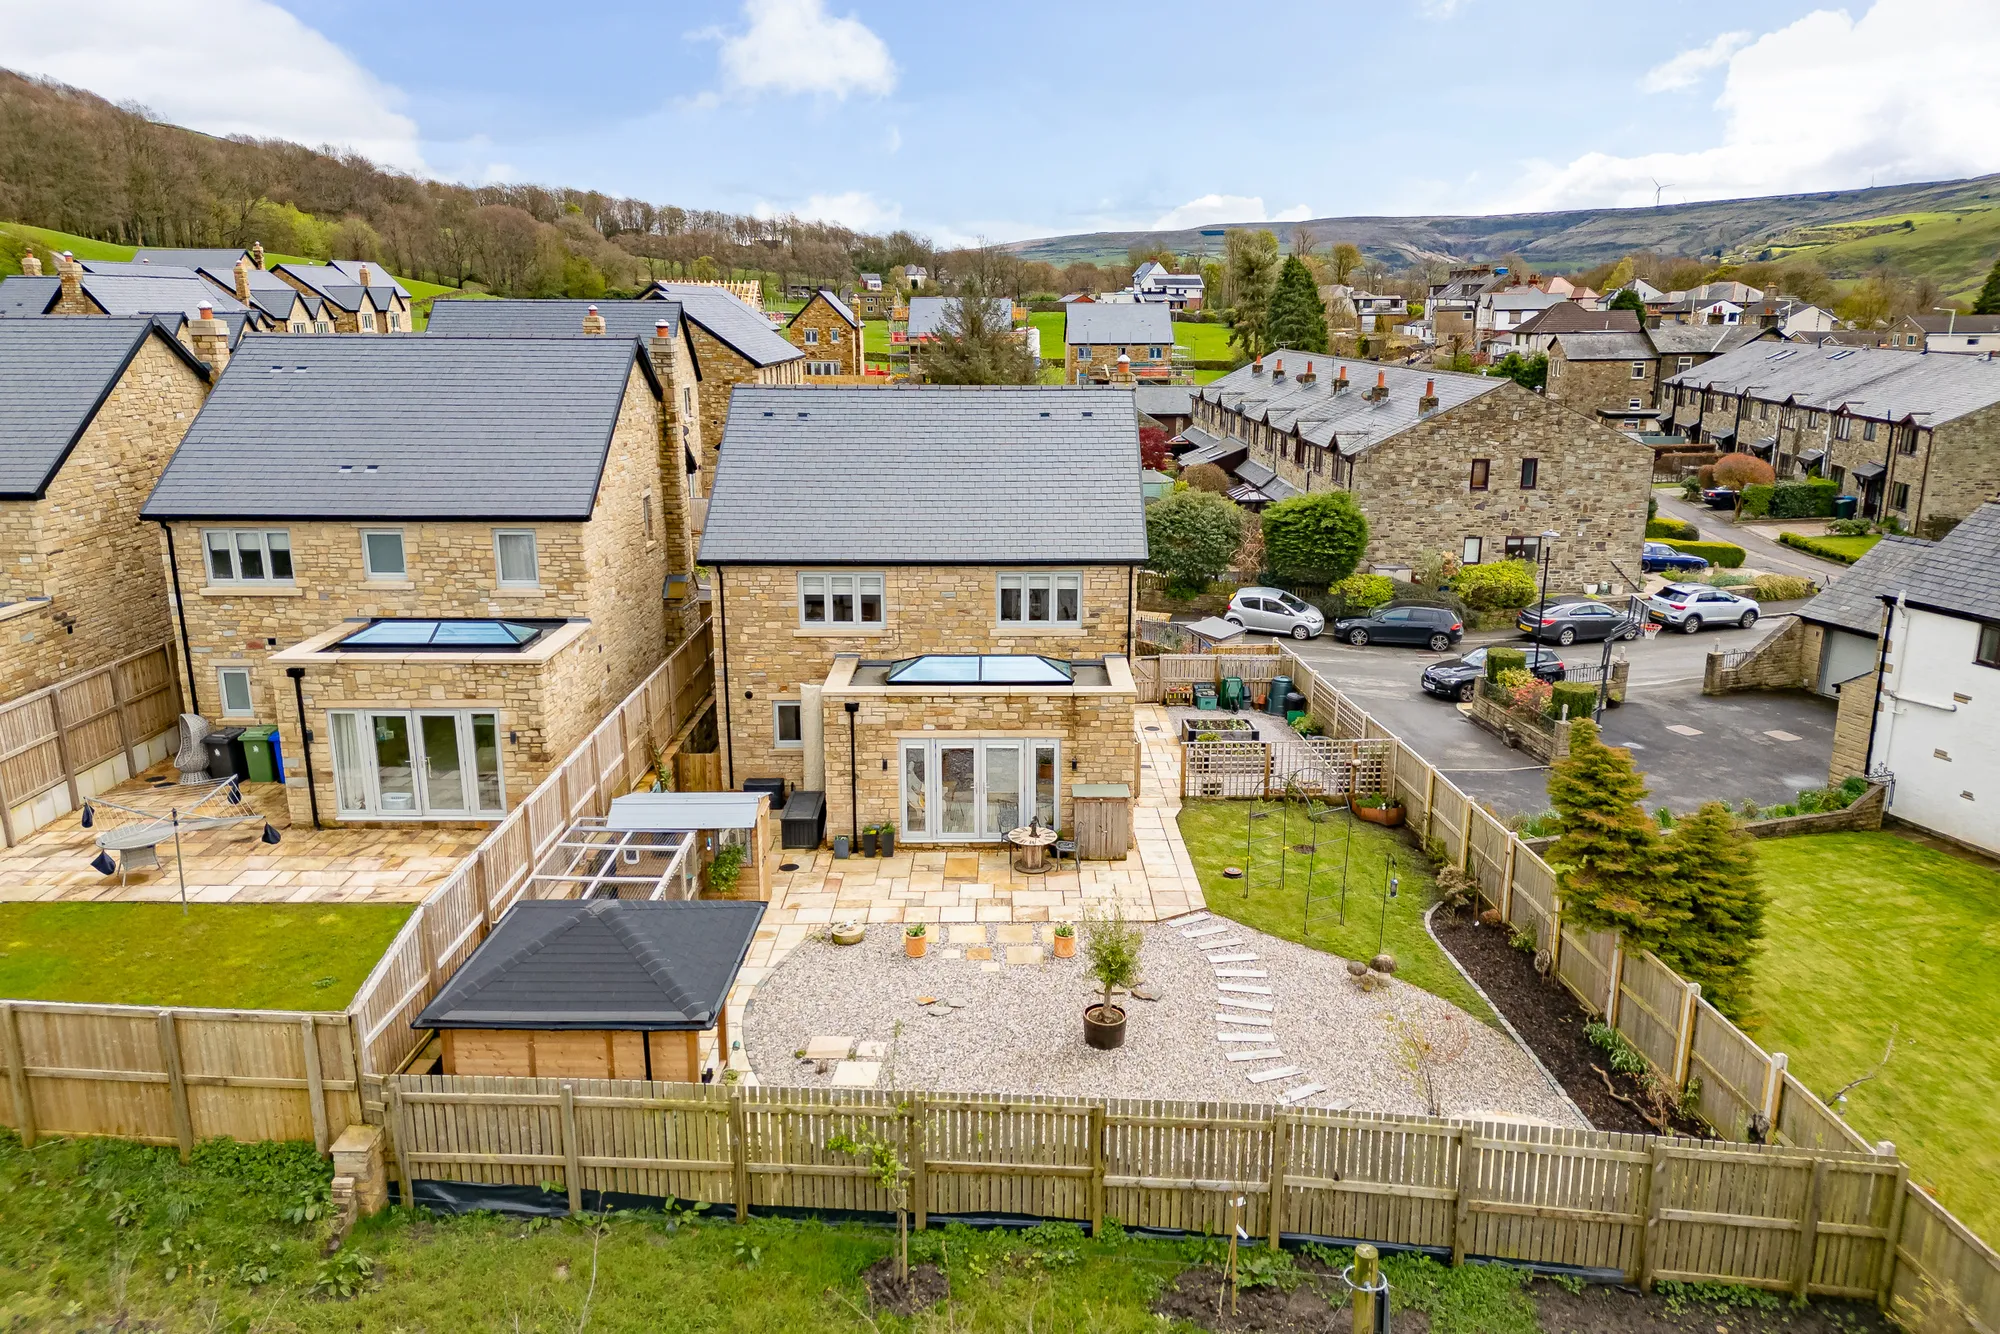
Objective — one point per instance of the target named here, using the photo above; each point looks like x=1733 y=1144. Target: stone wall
x=680 y=440
x=1590 y=386
x=722 y=368
x=1541 y=738
x=1865 y=813
x=31 y=646
x=832 y=338
x=1964 y=469
x=1787 y=660
x=1102 y=362
x=1852 y=722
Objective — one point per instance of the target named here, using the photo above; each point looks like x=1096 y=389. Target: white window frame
x=1638 y=370
x=534 y=559
x=812 y=337
x=223 y=675
x=1024 y=584
x=1472 y=550
x=395 y=322
x=931 y=830
x=368 y=569
x=367 y=322
x=779 y=707
x=365 y=782
x=322 y=326
x=856 y=585
x=259 y=541
x=1634 y=404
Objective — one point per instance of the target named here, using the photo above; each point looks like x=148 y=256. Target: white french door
x=974 y=791
x=436 y=763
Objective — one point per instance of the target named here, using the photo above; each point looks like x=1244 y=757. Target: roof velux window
x=1017 y=669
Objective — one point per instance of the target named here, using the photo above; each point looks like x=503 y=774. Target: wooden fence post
x=1461 y=1233
x=572 y=1152
x=1885 y=1286
x=177 y=1094
x=1684 y=1034
x=1809 y=1230
x=399 y=1145
x=1556 y=940
x=1096 y=1169
x=17 y=1075
x=1281 y=1158
x=315 y=1085
x=1506 y=904
x=1617 y=972
x=916 y=1122
x=1430 y=800
x=739 y=1157
x=117 y=671
x=1649 y=1236
x=1774 y=1087
x=1465 y=833
x=62 y=746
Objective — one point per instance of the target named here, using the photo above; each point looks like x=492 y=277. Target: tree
x=1207 y=477
x=1621 y=273
x=1153 y=447
x=1740 y=470
x=1628 y=299
x=1713 y=866
x=1988 y=300
x=1253 y=272
x=976 y=343
x=1528 y=372
x=1346 y=259
x=1190 y=537
x=1608 y=864
x=1296 y=318
x=1316 y=538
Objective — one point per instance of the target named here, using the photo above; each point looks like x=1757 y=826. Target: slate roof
x=1957 y=324
x=1569 y=317
x=379 y=276
x=1854 y=601
x=730 y=319
x=1883 y=383
x=130 y=267
x=342 y=288
x=927 y=475
x=58 y=373
x=1958 y=576
x=189 y=259
x=839 y=308
x=1708 y=339
x=552 y=964
x=268 y=292
x=927 y=313
x=519 y=317
x=1606 y=347
x=1102 y=322
x=176 y=292
x=1164 y=400
x=25 y=295
x=409 y=428
x=1344 y=419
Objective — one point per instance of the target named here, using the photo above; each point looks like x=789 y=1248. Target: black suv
x=1434 y=627
x=1458 y=677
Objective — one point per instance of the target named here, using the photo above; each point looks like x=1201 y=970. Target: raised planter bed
x=1226 y=727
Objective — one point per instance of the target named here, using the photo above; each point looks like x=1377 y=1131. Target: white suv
x=1689 y=607
x=1276 y=612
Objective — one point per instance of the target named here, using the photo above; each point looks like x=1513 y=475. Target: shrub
x=1579 y=700
x=1501 y=659
x=1315 y=538
x=1724 y=579
x=1811 y=499
x=1680 y=528
x=1365 y=591
x=1705 y=474
x=1207 y=477
x=1691 y=489
x=1741 y=470
x=1531 y=696
x=1782 y=587
x=1725 y=554
x=1191 y=536
x=1849 y=527
x=1756 y=502
x=1502 y=584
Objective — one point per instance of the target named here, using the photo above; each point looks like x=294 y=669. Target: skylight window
x=1015 y=669
x=446 y=636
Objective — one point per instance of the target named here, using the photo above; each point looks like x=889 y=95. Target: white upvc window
x=439 y=764
x=1474 y=549
x=1037 y=598
x=812 y=338
x=834 y=597
x=253 y=556
x=382 y=554
x=395 y=322
x=786 y=730
x=233 y=684
x=322 y=326
x=367 y=322
x=1638 y=370
x=514 y=558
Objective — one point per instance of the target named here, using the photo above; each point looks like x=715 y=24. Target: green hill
x=1954 y=248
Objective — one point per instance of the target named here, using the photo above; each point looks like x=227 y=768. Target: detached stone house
x=91 y=409
x=927 y=317
x=732 y=344
x=359 y=297
x=1472 y=465
x=871 y=299
x=102 y=287
x=433 y=563
x=1098 y=334
x=829 y=334
x=964 y=641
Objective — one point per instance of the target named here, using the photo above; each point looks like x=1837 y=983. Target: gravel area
x=1018 y=1028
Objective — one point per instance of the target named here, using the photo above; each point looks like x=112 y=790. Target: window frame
x=1528 y=549
x=222 y=676
x=1472 y=551
x=856 y=592
x=812 y=337
x=1638 y=370
x=368 y=571
x=779 y=707
x=500 y=578
x=1531 y=472
x=1481 y=478
x=465 y=734
x=1986 y=647
x=236 y=579
x=1024 y=601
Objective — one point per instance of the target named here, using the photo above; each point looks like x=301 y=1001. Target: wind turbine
x=1657 y=188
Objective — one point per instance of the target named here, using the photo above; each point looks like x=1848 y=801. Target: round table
x=1034 y=844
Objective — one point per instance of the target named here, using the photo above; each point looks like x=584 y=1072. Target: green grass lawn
x=1215 y=834
x=1204 y=342
x=277 y=956
x=1872 y=930
x=1849 y=548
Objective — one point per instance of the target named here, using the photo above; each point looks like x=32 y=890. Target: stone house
x=433 y=563
x=1616 y=374
x=360 y=297
x=912 y=277
x=285 y=308
x=914 y=639
x=91 y=409
x=871 y=300
x=1538 y=334
x=829 y=333
x=927 y=317
x=1963 y=335
x=1472 y=465
x=732 y=344
x=1097 y=334
x=176 y=296
x=1914 y=437
x=1451 y=308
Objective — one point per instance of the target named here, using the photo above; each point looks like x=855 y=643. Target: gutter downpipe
x=1881 y=665
x=298 y=675
x=180 y=615
x=853 y=707
x=722 y=632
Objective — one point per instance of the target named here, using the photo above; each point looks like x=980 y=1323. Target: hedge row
x=1790 y=500
x=1724 y=555
x=1678 y=528
x=1579 y=699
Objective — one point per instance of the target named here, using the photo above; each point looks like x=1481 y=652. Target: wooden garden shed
x=595 y=989
x=719 y=818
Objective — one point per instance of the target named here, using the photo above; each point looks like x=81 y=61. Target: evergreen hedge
x=1677 y=528
x=1500 y=659
x=1725 y=555
x=1579 y=699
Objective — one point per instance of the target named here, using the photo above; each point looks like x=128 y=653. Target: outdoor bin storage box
x=1102 y=813
x=225 y=753
x=804 y=820
x=1275 y=700
x=774 y=786
x=260 y=755
x=1845 y=506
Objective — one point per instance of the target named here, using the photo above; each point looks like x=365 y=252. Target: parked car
x=1720 y=497
x=1435 y=627
x=1457 y=678
x=1689 y=607
x=1576 y=618
x=1276 y=612
x=1655 y=556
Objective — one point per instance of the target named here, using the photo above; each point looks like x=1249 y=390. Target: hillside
x=1954 y=248
x=1580 y=238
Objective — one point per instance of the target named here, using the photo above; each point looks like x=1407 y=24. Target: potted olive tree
x=1113 y=953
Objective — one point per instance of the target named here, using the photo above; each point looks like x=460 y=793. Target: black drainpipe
x=1881 y=661
x=722 y=634
x=853 y=707
x=298 y=675
x=180 y=614
x=1131 y=603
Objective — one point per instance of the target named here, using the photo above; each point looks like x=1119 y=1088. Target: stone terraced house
x=357 y=296
x=829 y=333
x=1470 y=465
x=733 y=344
x=173 y=295
x=937 y=631
x=1097 y=335
x=91 y=409
x=434 y=564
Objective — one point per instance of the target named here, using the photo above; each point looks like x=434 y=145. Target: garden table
x=1034 y=842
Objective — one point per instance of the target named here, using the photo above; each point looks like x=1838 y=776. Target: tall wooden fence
x=83 y=734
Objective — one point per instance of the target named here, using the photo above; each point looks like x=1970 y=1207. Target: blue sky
x=1031 y=118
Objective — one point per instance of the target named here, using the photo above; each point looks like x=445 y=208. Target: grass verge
x=1846 y=550
x=1873 y=932
x=256 y=956
x=1275 y=904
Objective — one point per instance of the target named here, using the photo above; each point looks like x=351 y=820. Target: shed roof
x=431 y=427
x=675 y=811
x=725 y=315
x=554 y=964
x=520 y=317
x=1344 y=418
x=927 y=313
x=1854 y=601
x=1104 y=322
x=1958 y=575
x=1712 y=339
x=928 y=474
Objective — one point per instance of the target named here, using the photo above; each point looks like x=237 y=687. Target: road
x=1762 y=550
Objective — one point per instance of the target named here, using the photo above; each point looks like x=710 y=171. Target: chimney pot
x=661 y=329
x=31 y=265
x=1381 y=379
x=204 y=311
x=1430 y=388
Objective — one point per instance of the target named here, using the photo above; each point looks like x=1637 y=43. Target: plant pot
x=914 y=946
x=1103 y=1034
x=1387 y=816
x=868 y=839
x=888 y=842
x=840 y=847
x=1063 y=947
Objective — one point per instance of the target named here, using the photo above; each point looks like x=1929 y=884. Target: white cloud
x=1903 y=93
x=893 y=142
x=795 y=46
x=1685 y=70
x=852 y=208
x=220 y=66
x=1211 y=209
x=1439 y=10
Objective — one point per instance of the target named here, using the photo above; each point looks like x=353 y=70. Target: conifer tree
x=1713 y=866
x=1296 y=319
x=1988 y=302
x=1608 y=863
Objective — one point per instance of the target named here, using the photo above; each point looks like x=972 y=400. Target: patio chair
x=1204 y=695
x=143 y=858
x=1232 y=693
x=1064 y=846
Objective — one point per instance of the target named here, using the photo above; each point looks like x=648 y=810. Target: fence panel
x=1649 y=1010
x=1389 y=1179
x=1805 y=1121
x=1946 y=1278
x=1563 y=1197
x=65 y=733
x=1584 y=966
x=1531 y=904
x=1732 y=1070
x=1450 y=812
x=1487 y=859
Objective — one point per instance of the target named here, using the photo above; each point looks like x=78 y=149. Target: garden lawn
x=1850 y=549
x=1204 y=342
x=1214 y=832
x=250 y=956
x=1869 y=931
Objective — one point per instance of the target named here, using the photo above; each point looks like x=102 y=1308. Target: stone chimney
x=210 y=339
x=72 y=300
x=243 y=281
x=593 y=323
x=1257 y=365
x=367 y=276
x=1429 y=402
x=679 y=437
x=1278 y=371
x=1381 y=390
x=1340 y=381
x=257 y=254
x=1307 y=376
x=31 y=265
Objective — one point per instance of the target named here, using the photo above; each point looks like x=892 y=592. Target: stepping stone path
x=1266 y=1076
x=1293 y=1096
x=1241 y=972
x=1264 y=1055
x=1243 y=988
x=1231 y=958
x=1212 y=938
x=857 y=1074
x=1245 y=1035
x=1256 y=1019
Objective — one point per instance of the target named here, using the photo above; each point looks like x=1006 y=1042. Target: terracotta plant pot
x=1104 y=1033
x=1388 y=816
x=1064 y=947
x=914 y=946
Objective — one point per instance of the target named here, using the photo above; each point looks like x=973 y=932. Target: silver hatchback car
x=1275 y=612
x=1689 y=607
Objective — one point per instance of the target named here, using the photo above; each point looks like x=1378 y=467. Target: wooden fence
x=84 y=734
x=1321 y=765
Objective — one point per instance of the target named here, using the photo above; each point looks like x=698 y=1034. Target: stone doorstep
x=1268 y=1053
x=1266 y=1076
x=1293 y=1096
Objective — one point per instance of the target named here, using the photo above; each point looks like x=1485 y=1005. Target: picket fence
x=84 y=734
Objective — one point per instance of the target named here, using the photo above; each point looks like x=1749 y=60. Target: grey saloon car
x=1567 y=622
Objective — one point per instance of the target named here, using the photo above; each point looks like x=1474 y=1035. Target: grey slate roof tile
x=25 y=295
x=1854 y=601
x=1118 y=322
x=477 y=428
x=1346 y=418
x=180 y=293
x=927 y=474
x=188 y=259
x=551 y=319
x=726 y=316
x=1164 y=400
x=1606 y=346
x=1870 y=381
x=1961 y=574
x=927 y=313
x=54 y=374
